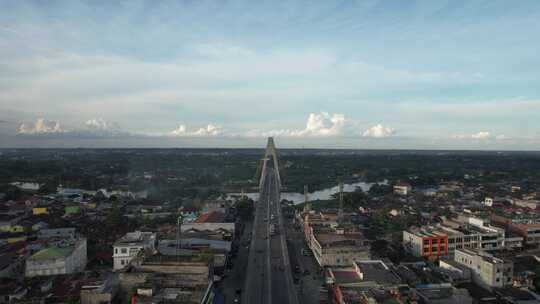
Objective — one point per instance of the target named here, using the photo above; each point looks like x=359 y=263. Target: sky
x=315 y=74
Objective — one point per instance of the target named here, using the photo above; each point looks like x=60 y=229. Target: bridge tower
x=270 y=152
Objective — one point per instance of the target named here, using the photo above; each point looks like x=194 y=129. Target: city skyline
x=370 y=74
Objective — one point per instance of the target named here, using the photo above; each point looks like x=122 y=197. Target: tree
x=380 y=190
x=244 y=209
x=12 y=193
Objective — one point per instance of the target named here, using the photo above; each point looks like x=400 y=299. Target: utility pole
x=307 y=206
x=340 y=212
x=178 y=226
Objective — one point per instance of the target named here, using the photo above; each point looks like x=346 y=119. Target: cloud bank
x=481 y=136
x=40 y=126
x=378 y=131
x=94 y=127
x=209 y=130
x=99 y=124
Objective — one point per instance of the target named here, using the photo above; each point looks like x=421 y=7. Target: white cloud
x=482 y=135
x=40 y=126
x=378 y=131
x=209 y=130
x=320 y=124
x=99 y=124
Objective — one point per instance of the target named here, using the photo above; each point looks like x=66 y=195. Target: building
x=513 y=241
x=72 y=210
x=99 y=290
x=63 y=233
x=332 y=244
x=225 y=231
x=528 y=229
x=367 y=281
x=216 y=205
x=332 y=249
x=444 y=239
x=486 y=270
x=170 y=279
x=455 y=272
x=39 y=210
x=441 y=294
x=531 y=204
x=60 y=259
x=127 y=247
x=27 y=186
x=402 y=188
x=426 y=241
x=211 y=217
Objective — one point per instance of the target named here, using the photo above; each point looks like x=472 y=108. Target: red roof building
x=211 y=217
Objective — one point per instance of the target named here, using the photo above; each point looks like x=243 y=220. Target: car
x=306 y=272
x=238 y=291
x=297 y=269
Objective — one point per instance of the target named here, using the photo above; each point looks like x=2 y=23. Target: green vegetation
x=245 y=208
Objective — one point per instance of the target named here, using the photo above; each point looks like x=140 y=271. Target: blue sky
x=355 y=74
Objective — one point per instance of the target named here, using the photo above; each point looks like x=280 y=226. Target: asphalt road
x=268 y=275
x=235 y=277
x=310 y=283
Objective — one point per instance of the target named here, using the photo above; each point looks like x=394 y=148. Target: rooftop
x=52 y=253
x=377 y=271
x=333 y=238
x=211 y=217
x=133 y=238
x=345 y=276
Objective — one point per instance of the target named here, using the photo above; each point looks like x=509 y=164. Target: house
x=402 y=188
x=62 y=233
x=100 y=290
x=39 y=210
x=443 y=293
x=72 y=209
x=60 y=259
x=127 y=247
x=486 y=270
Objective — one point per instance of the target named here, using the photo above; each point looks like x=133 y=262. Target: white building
x=61 y=259
x=332 y=249
x=126 y=248
x=402 y=188
x=444 y=239
x=486 y=269
x=27 y=186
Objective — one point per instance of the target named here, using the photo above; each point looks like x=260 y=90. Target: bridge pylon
x=271 y=152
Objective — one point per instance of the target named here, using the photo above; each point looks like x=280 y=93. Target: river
x=323 y=194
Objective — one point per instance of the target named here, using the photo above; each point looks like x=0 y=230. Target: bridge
x=268 y=275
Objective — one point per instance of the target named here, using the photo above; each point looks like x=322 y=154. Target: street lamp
x=178 y=226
